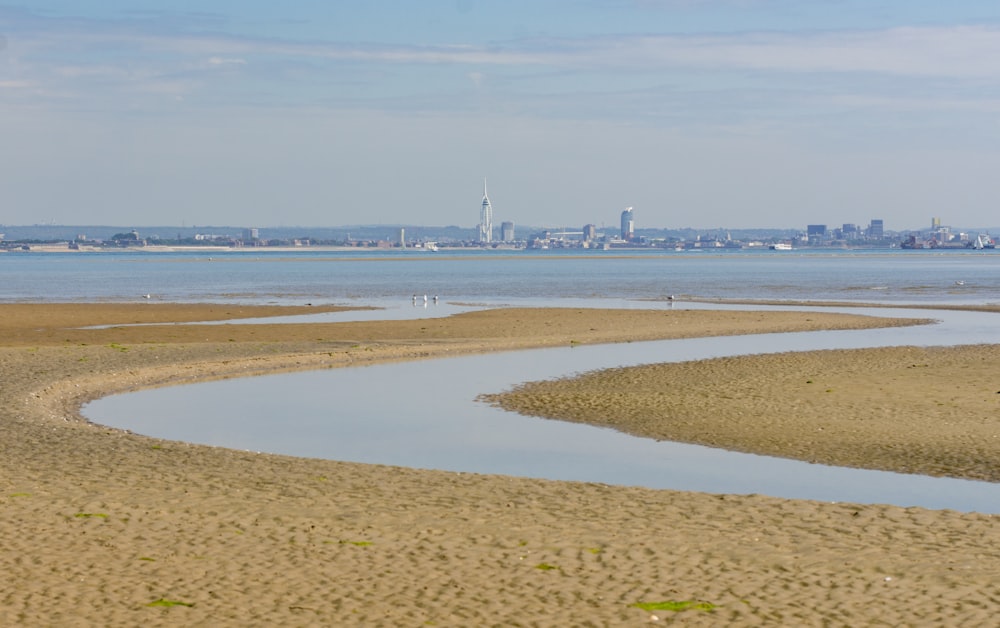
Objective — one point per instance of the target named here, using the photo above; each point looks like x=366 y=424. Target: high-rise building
x=628 y=225
x=876 y=230
x=589 y=233
x=507 y=231
x=486 y=218
x=815 y=233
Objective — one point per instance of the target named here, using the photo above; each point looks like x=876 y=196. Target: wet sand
x=103 y=527
x=926 y=410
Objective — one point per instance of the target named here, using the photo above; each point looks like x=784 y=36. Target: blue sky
x=699 y=113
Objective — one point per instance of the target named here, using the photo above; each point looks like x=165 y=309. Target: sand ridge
x=103 y=527
x=926 y=410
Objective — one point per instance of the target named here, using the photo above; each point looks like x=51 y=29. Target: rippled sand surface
x=932 y=411
x=103 y=527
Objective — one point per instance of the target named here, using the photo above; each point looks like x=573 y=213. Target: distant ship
x=983 y=241
x=781 y=246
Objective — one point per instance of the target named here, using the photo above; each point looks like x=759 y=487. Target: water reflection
x=424 y=415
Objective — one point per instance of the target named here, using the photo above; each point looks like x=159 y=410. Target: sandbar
x=105 y=527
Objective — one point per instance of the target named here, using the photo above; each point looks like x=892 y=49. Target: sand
x=933 y=411
x=103 y=527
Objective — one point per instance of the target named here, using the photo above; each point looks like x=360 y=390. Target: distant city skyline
x=698 y=113
x=54 y=238
x=505 y=232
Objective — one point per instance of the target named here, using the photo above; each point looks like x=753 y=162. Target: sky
x=710 y=114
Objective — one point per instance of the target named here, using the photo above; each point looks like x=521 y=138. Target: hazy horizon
x=415 y=231
x=739 y=114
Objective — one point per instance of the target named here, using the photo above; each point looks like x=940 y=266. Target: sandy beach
x=932 y=411
x=104 y=527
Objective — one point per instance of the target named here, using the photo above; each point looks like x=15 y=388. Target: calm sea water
x=491 y=276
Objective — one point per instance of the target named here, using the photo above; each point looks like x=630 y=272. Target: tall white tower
x=486 y=218
x=628 y=225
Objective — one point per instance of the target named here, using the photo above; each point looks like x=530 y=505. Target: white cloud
x=956 y=51
x=970 y=51
x=223 y=61
x=940 y=102
x=557 y=76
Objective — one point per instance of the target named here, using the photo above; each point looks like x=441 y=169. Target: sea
x=388 y=276
x=426 y=414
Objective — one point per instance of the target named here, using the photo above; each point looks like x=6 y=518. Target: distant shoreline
x=63 y=247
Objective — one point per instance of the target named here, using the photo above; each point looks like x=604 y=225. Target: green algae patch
x=169 y=603
x=677 y=606
x=90 y=515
